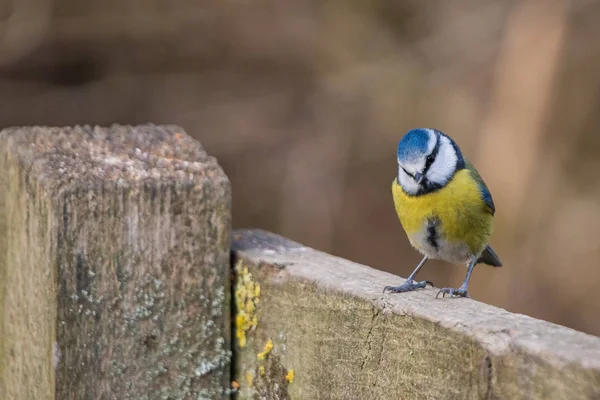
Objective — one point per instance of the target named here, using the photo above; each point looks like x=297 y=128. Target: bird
x=443 y=205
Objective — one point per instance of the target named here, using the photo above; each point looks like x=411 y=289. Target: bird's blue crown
x=414 y=143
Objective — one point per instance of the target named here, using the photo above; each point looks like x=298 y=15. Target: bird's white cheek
x=444 y=165
x=408 y=184
x=440 y=172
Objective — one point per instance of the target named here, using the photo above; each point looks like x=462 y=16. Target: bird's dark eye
x=429 y=159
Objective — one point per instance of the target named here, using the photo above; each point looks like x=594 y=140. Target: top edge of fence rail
x=496 y=329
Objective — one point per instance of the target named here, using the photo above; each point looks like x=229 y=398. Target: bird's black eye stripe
x=407 y=173
x=431 y=158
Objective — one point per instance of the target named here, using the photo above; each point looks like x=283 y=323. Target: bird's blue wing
x=486 y=196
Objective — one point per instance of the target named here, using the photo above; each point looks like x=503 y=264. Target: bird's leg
x=410 y=283
x=462 y=290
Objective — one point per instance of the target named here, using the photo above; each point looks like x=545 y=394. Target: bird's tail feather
x=489 y=257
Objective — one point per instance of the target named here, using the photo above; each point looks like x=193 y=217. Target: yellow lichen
x=262 y=370
x=246 y=299
x=256 y=290
x=290 y=376
x=268 y=347
x=250 y=307
x=249 y=378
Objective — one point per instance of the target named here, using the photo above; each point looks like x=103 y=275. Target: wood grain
x=331 y=325
x=114 y=266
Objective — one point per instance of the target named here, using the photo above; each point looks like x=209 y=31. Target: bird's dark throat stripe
x=432 y=237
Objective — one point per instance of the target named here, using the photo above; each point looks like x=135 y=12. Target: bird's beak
x=419 y=177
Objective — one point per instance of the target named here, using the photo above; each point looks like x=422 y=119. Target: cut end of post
x=121 y=154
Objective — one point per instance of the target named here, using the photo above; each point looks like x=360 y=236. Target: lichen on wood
x=118 y=241
x=343 y=339
x=247 y=298
x=260 y=360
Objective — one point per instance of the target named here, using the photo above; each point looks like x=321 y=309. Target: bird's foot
x=407 y=286
x=460 y=292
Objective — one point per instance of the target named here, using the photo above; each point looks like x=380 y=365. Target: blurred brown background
x=304 y=101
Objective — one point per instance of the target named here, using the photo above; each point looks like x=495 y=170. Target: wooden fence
x=116 y=282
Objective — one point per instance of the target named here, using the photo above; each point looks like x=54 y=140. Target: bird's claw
x=408 y=287
x=460 y=292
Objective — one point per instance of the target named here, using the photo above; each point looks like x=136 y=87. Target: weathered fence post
x=114 y=265
x=313 y=326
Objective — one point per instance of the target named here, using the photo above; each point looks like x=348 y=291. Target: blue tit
x=443 y=205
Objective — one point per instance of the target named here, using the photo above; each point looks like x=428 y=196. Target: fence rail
x=326 y=319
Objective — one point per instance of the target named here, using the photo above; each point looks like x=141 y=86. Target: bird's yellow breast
x=458 y=207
